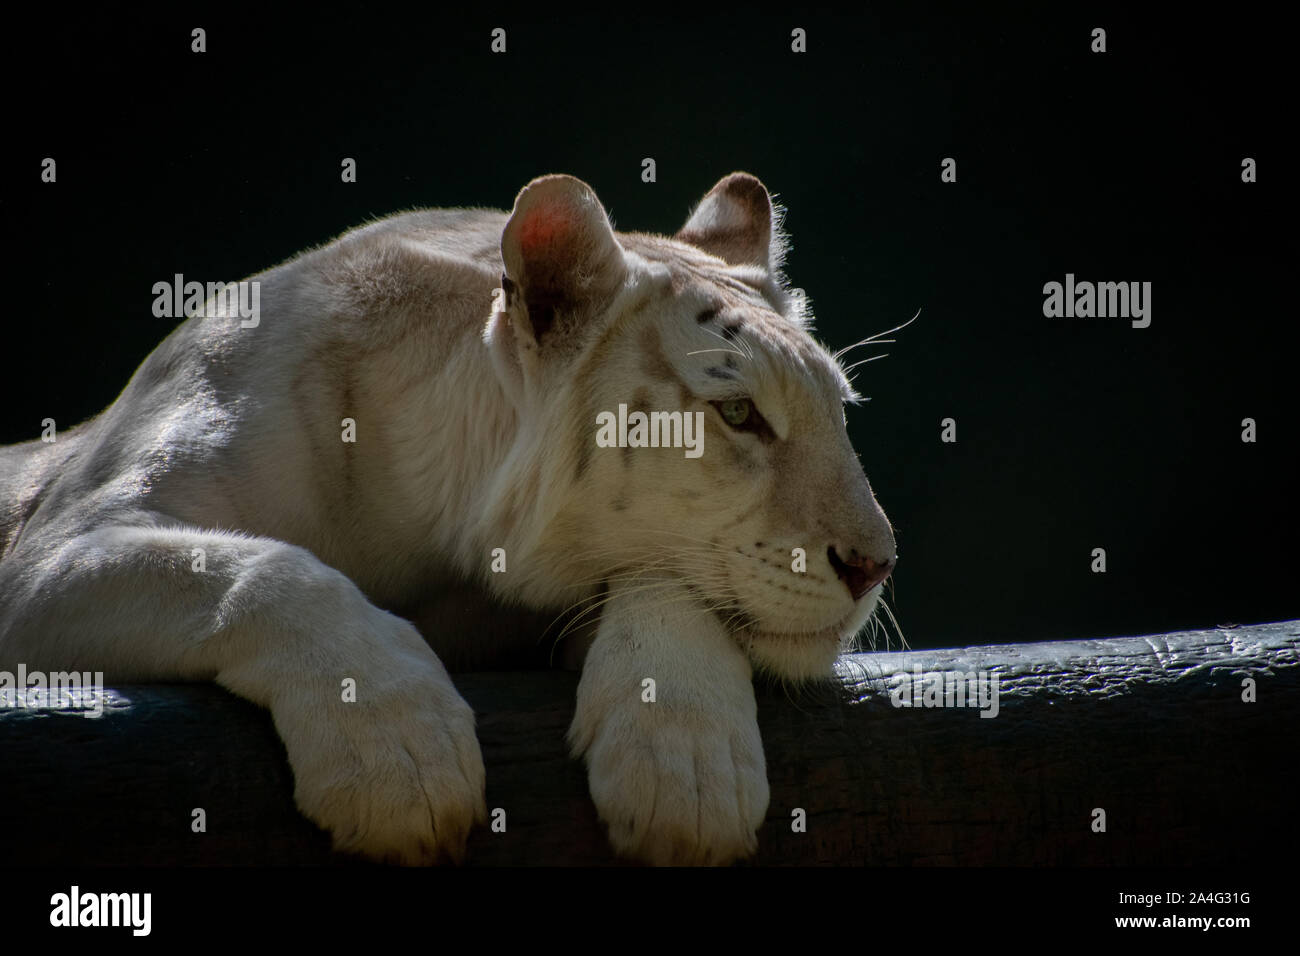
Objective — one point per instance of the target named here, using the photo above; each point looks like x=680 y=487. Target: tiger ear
x=738 y=222
x=559 y=251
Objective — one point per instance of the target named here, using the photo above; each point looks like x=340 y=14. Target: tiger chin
x=418 y=405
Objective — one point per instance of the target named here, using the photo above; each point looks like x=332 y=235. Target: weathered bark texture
x=1152 y=730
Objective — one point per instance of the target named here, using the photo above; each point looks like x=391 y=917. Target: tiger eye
x=736 y=411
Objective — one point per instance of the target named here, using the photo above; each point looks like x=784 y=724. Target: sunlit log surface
x=1152 y=730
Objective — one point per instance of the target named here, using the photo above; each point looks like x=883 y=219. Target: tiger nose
x=859 y=572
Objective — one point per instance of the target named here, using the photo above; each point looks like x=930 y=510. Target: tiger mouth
x=834 y=632
x=744 y=625
x=840 y=630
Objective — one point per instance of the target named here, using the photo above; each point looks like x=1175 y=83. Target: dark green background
x=1072 y=434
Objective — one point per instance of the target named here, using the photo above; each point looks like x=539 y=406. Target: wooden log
x=1154 y=731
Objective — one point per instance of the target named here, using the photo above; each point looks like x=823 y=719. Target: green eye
x=741 y=415
x=736 y=411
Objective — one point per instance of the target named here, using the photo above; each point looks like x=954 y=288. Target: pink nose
x=859 y=572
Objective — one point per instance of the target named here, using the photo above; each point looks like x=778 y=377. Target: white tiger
x=474 y=352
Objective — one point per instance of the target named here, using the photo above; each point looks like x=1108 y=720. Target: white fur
x=471 y=429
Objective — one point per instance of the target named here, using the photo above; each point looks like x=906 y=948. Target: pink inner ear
x=544 y=227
